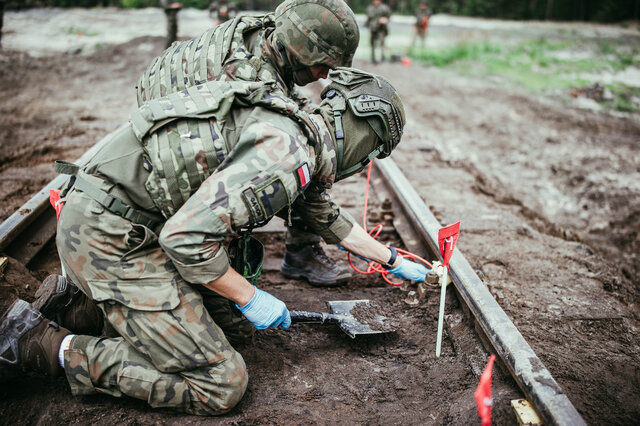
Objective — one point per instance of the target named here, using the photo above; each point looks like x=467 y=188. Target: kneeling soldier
x=143 y=224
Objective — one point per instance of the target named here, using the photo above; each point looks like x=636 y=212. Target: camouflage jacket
x=374 y=13
x=254 y=155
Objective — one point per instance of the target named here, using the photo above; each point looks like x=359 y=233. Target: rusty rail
x=526 y=368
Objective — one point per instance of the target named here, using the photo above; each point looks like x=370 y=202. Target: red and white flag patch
x=303 y=175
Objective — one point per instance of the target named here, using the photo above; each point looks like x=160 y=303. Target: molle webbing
x=199 y=60
x=201 y=101
x=183 y=142
x=214 y=98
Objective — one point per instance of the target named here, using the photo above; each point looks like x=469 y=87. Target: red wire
x=374 y=267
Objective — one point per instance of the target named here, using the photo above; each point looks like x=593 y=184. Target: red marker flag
x=56 y=202
x=447 y=238
x=483 y=393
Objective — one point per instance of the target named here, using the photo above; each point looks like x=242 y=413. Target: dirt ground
x=549 y=199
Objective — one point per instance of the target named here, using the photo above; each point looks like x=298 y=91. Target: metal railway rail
x=27 y=231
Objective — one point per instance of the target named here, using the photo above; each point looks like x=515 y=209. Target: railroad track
x=25 y=233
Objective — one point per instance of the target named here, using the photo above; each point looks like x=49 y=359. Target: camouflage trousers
x=170 y=352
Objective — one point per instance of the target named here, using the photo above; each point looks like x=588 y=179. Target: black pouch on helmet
x=246 y=255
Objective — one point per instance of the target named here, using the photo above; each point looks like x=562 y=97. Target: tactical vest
x=203 y=59
x=182 y=139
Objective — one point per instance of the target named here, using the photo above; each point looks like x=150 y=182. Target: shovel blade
x=350 y=324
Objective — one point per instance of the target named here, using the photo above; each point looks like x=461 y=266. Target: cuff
x=204 y=272
x=339 y=229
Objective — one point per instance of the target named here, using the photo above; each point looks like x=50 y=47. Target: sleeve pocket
x=264 y=201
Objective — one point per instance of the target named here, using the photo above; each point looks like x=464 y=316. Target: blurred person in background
x=423 y=14
x=222 y=10
x=171 y=9
x=378 y=15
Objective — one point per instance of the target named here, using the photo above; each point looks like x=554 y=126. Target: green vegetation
x=80 y=31
x=540 y=65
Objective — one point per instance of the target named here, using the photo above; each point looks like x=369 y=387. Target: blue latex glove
x=264 y=311
x=410 y=270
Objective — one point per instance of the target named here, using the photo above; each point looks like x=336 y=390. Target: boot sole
x=45 y=293
x=289 y=273
x=13 y=325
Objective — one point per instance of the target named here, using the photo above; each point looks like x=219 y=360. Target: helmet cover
x=317 y=32
x=366 y=98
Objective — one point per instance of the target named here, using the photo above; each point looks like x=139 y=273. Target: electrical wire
x=375 y=267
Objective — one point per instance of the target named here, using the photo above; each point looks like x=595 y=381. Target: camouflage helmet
x=317 y=32
x=368 y=118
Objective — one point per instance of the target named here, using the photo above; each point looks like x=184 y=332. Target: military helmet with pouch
x=368 y=118
x=317 y=32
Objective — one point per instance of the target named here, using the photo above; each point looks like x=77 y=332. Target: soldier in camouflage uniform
x=143 y=225
x=378 y=15
x=298 y=44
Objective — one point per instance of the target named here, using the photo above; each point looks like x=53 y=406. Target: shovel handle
x=313 y=317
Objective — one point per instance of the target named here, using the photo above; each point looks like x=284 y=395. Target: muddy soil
x=549 y=200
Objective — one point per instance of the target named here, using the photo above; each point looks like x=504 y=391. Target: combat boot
x=29 y=340
x=309 y=261
x=60 y=300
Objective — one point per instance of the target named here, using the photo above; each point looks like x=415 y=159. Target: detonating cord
x=375 y=267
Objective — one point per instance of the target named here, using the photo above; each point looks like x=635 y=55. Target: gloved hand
x=264 y=311
x=410 y=270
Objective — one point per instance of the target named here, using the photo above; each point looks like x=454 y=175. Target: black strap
x=109 y=202
x=392 y=259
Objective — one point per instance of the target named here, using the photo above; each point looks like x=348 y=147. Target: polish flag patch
x=303 y=175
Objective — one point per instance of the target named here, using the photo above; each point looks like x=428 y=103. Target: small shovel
x=342 y=316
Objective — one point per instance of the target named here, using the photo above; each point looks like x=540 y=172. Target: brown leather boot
x=29 y=340
x=311 y=262
x=60 y=300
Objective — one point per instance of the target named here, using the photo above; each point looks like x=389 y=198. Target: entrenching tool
x=342 y=316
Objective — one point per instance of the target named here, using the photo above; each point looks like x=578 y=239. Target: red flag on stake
x=483 y=393
x=56 y=202
x=447 y=238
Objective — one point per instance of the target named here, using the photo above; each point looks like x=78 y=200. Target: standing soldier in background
x=221 y=11
x=171 y=9
x=423 y=13
x=378 y=15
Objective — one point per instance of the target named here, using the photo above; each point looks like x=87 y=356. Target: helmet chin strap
x=288 y=68
x=339 y=105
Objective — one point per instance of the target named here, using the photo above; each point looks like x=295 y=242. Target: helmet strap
x=361 y=164
x=288 y=68
x=337 y=122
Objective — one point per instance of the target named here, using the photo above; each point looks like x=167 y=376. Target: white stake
x=444 y=280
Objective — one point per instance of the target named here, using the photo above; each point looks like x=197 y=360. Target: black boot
x=311 y=262
x=60 y=300
x=30 y=341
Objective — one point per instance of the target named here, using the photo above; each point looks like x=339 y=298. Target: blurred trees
x=560 y=10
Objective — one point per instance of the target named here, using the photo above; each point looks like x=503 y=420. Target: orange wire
x=374 y=267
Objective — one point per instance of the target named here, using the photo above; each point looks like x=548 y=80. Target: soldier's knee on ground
x=232 y=379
